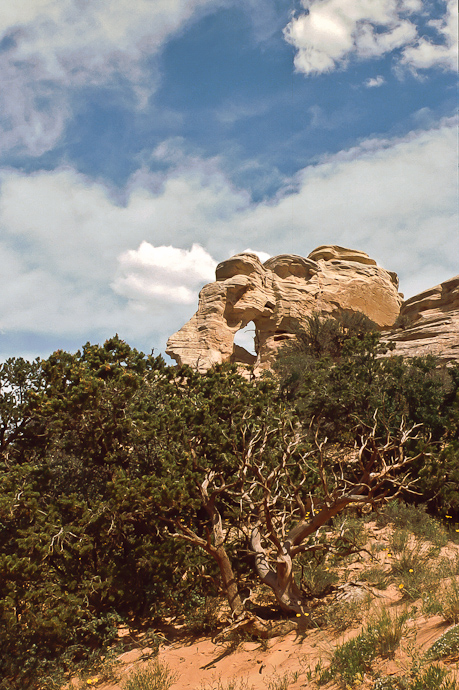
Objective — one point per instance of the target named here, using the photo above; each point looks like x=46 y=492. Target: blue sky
x=142 y=142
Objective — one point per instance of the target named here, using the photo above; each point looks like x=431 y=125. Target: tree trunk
x=281 y=581
x=229 y=581
x=218 y=551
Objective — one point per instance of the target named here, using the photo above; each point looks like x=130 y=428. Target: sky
x=143 y=142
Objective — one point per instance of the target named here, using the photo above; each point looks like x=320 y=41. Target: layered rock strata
x=429 y=324
x=278 y=297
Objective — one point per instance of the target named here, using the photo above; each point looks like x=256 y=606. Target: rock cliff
x=429 y=324
x=277 y=297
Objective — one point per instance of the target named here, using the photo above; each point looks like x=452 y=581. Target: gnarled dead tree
x=377 y=468
x=280 y=499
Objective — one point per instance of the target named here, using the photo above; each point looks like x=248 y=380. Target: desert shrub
x=102 y=454
x=439 y=476
x=338 y=378
x=77 y=521
x=414 y=519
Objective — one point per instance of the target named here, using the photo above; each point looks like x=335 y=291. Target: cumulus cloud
x=163 y=273
x=78 y=262
x=329 y=32
x=427 y=53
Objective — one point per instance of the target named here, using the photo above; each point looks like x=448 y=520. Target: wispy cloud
x=53 y=46
x=374 y=82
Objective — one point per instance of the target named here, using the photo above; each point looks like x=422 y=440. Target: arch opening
x=245 y=344
x=246 y=338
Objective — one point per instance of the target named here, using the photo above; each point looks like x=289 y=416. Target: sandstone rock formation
x=278 y=296
x=429 y=324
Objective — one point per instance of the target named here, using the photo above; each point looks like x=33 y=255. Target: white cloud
x=427 y=53
x=395 y=199
x=66 y=248
x=55 y=45
x=165 y=273
x=263 y=256
x=32 y=115
x=74 y=40
x=374 y=82
x=330 y=31
x=75 y=262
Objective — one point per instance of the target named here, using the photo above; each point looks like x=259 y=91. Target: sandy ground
x=201 y=664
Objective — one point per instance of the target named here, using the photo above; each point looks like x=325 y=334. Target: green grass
x=416 y=520
x=316 y=578
x=351 y=660
x=283 y=682
x=450 y=603
x=155 y=676
x=343 y=615
x=446 y=646
x=432 y=678
x=376 y=576
x=414 y=570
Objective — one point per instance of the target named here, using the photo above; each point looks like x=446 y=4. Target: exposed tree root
x=253 y=625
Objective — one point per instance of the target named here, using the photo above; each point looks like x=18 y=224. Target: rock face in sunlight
x=429 y=323
x=278 y=296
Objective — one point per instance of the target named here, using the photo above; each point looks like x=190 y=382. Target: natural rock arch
x=278 y=296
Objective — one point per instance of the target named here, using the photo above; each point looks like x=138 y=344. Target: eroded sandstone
x=429 y=324
x=279 y=296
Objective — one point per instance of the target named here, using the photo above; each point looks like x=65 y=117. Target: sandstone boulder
x=429 y=324
x=278 y=296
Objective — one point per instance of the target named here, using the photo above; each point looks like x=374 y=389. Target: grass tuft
x=351 y=660
x=416 y=520
x=155 y=676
